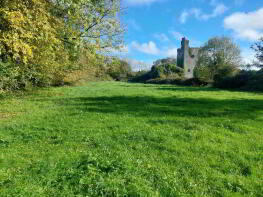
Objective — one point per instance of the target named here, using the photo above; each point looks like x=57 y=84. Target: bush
x=164 y=73
x=142 y=77
x=246 y=80
x=164 y=81
x=8 y=76
x=118 y=69
x=89 y=68
x=194 y=82
x=12 y=77
x=165 y=70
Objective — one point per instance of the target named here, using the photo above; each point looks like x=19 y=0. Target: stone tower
x=187 y=58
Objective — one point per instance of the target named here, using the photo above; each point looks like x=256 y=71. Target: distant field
x=121 y=139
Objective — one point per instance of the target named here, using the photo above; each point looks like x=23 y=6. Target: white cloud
x=198 y=14
x=187 y=13
x=148 y=48
x=246 y=26
x=162 y=37
x=177 y=35
x=248 y=55
x=218 y=10
x=140 y=2
x=184 y=15
x=138 y=65
x=132 y=23
x=172 y=52
x=151 y=49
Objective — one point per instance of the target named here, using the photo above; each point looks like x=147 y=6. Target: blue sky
x=155 y=27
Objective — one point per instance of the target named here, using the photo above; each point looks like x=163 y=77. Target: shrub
x=165 y=70
x=164 y=73
x=14 y=77
x=8 y=75
x=118 y=69
x=246 y=80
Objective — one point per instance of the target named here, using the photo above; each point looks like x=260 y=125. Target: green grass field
x=121 y=139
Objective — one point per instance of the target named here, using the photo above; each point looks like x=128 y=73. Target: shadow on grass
x=172 y=87
x=168 y=106
x=206 y=89
x=190 y=89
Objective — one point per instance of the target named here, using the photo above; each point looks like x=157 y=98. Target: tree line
x=43 y=41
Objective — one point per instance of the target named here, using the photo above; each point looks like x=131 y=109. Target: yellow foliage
x=40 y=39
x=27 y=27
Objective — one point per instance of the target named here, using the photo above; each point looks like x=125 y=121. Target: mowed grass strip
x=121 y=139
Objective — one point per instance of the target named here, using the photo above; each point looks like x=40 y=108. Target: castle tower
x=187 y=58
x=185 y=43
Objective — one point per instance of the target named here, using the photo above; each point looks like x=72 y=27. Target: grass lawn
x=121 y=139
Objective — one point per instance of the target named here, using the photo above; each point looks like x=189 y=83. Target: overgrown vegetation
x=218 y=58
x=121 y=139
x=118 y=69
x=162 y=71
x=246 y=80
x=42 y=40
x=251 y=80
x=99 y=68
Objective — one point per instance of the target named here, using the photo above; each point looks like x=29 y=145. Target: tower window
x=189 y=70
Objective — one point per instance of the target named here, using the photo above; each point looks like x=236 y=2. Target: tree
x=219 y=57
x=258 y=48
x=165 y=61
x=91 y=21
x=29 y=43
x=118 y=68
x=26 y=27
x=41 y=39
